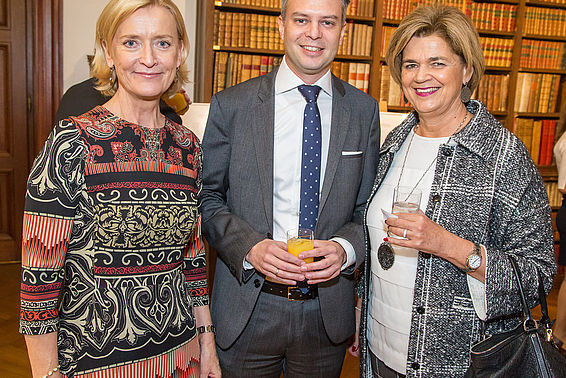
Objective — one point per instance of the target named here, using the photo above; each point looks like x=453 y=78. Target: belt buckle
x=290 y=292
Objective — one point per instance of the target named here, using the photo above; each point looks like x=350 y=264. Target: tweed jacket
x=486 y=189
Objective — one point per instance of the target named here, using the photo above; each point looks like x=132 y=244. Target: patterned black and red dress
x=113 y=258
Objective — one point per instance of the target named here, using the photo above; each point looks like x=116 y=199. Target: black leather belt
x=292 y=293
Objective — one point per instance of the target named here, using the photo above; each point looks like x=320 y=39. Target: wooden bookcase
x=383 y=16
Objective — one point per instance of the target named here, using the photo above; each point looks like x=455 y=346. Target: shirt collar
x=286 y=80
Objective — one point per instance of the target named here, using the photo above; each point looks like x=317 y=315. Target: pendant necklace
x=385 y=254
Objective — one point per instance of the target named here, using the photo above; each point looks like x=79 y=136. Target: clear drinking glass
x=300 y=240
x=405 y=200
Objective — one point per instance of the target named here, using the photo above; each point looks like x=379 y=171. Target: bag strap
x=527 y=315
x=543 y=306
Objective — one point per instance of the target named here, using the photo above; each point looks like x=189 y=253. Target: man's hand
x=333 y=257
x=271 y=258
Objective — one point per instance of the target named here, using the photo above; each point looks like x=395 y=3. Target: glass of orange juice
x=300 y=240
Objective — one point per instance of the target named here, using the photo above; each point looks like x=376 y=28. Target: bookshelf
x=524 y=43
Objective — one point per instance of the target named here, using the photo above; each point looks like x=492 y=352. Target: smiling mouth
x=426 y=91
x=312 y=48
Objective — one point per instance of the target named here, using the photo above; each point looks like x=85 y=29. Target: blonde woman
x=114 y=274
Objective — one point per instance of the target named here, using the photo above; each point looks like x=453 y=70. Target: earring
x=465 y=93
x=112 y=77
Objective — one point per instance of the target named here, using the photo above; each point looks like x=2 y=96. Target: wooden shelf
x=543 y=70
x=495 y=33
x=548 y=172
x=248 y=50
x=545 y=4
x=537 y=115
x=544 y=37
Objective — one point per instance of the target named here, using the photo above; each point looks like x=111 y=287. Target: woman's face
x=145 y=53
x=432 y=76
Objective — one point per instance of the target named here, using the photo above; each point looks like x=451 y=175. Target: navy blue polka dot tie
x=310 y=161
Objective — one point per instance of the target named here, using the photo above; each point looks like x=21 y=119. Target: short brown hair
x=345 y=4
x=446 y=22
x=115 y=12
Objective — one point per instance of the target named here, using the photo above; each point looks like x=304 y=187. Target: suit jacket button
x=415 y=366
x=447 y=152
x=257 y=283
x=436 y=198
x=420 y=310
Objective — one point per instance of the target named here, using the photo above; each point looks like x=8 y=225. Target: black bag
x=525 y=351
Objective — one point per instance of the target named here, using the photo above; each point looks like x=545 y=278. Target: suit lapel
x=262 y=116
x=340 y=125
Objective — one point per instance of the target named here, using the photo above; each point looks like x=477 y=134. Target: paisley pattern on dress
x=113 y=258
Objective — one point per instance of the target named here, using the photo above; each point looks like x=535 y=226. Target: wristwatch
x=473 y=261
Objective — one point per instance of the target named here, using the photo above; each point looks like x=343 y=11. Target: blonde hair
x=446 y=22
x=115 y=12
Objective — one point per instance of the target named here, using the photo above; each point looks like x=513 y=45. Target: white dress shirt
x=287 y=146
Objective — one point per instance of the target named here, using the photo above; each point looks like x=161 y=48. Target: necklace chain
x=431 y=163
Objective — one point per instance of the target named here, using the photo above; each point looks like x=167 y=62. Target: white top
x=559 y=153
x=287 y=148
x=391 y=291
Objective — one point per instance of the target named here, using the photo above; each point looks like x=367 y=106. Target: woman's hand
x=424 y=235
x=354 y=349
x=421 y=233
x=209 y=365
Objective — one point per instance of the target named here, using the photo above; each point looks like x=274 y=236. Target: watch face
x=474 y=261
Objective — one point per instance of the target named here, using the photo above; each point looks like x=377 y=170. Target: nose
x=147 y=57
x=314 y=31
x=422 y=73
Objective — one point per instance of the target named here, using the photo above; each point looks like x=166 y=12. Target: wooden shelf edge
x=548 y=172
x=276 y=11
x=496 y=33
x=543 y=70
x=537 y=115
x=545 y=4
x=545 y=37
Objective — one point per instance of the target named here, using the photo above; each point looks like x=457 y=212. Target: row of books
x=536 y=92
x=398 y=9
x=497 y=51
x=356 y=74
x=251 y=30
x=233 y=68
x=390 y=91
x=494 y=16
x=545 y=21
x=356 y=8
x=492 y=91
x=554 y=195
x=361 y=8
x=357 y=40
x=543 y=54
x=538 y=137
x=386 y=32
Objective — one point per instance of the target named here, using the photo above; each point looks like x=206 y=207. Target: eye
x=328 y=23
x=163 y=44
x=300 y=21
x=130 y=43
x=409 y=66
x=438 y=64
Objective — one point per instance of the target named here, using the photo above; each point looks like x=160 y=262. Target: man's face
x=312 y=31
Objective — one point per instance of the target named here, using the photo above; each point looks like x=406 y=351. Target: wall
x=79 y=24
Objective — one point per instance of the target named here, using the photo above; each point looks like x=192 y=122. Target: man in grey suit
x=256 y=180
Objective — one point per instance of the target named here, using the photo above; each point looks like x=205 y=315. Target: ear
x=342 y=31
x=180 y=53
x=109 y=60
x=468 y=72
x=281 y=27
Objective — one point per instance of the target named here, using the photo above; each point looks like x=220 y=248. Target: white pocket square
x=350 y=153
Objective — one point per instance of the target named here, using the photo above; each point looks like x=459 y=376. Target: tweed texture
x=486 y=189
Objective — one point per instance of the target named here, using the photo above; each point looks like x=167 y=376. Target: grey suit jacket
x=237 y=196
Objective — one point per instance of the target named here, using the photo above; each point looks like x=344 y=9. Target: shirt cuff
x=350 y=253
x=477 y=291
x=247 y=265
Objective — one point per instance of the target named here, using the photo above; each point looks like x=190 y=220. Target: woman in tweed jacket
x=426 y=294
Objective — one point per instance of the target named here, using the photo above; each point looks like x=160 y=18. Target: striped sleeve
x=52 y=196
x=195 y=267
